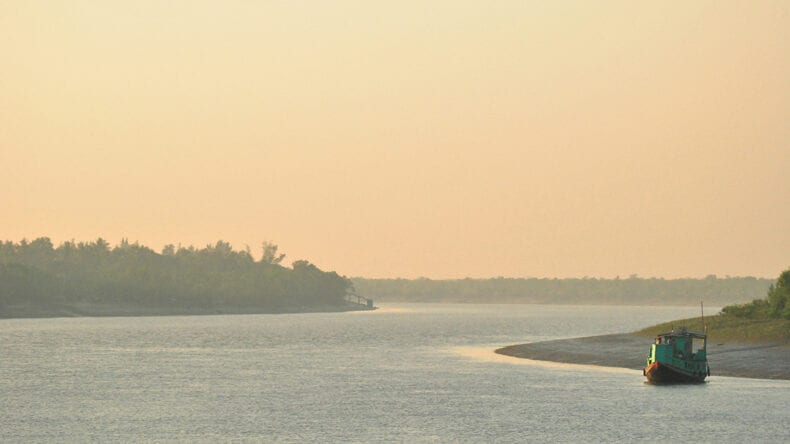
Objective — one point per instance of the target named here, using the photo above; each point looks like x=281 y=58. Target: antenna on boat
x=702 y=312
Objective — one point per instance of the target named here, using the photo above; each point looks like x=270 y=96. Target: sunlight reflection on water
x=385 y=310
x=489 y=355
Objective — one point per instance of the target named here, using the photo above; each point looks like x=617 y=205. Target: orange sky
x=400 y=139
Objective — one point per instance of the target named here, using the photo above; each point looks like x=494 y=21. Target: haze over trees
x=631 y=291
x=94 y=278
x=39 y=279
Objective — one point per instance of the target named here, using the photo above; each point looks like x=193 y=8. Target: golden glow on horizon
x=441 y=139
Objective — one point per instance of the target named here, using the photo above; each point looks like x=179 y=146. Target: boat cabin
x=683 y=345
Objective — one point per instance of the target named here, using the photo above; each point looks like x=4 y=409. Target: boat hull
x=657 y=373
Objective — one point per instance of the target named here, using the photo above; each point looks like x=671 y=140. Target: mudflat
x=738 y=359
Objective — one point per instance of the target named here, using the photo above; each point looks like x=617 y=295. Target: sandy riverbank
x=744 y=360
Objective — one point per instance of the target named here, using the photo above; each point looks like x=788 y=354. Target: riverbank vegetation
x=39 y=279
x=724 y=327
x=715 y=291
x=765 y=320
x=775 y=306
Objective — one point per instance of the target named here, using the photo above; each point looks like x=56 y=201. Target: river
x=403 y=373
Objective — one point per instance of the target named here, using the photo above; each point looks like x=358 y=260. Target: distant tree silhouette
x=631 y=291
x=179 y=279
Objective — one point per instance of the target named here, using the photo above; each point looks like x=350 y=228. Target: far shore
x=761 y=360
x=110 y=310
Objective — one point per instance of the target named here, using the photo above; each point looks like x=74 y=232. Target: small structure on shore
x=360 y=300
x=677 y=357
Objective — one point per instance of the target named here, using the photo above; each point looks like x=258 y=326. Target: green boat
x=677 y=357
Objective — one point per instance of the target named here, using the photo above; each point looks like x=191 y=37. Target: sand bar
x=744 y=360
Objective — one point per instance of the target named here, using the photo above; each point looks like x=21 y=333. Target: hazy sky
x=408 y=138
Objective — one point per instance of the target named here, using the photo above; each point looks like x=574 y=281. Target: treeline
x=632 y=291
x=776 y=305
x=37 y=278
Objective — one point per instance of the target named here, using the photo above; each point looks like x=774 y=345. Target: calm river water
x=404 y=373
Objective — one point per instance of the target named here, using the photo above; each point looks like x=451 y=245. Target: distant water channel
x=404 y=373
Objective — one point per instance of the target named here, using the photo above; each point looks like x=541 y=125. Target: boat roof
x=684 y=333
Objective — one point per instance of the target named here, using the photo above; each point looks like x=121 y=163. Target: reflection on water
x=387 y=310
x=487 y=354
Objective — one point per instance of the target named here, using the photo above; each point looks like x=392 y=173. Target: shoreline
x=761 y=360
x=88 y=310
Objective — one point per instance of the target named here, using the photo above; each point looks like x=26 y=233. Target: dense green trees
x=779 y=297
x=775 y=305
x=78 y=276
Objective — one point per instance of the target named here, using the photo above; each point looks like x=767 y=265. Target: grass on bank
x=730 y=328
